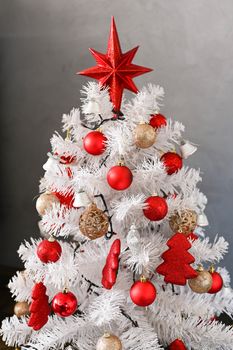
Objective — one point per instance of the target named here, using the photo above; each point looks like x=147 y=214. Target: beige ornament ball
x=45 y=202
x=109 y=342
x=144 y=135
x=21 y=308
x=202 y=283
x=184 y=221
x=93 y=222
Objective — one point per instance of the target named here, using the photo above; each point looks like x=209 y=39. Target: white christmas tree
x=131 y=267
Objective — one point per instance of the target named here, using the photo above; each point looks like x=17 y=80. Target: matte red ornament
x=95 y=143
x=110 y=270
x=177 y=345
x=115 y=69
x=217 y=282
x=176 y=266
x=39 y=308
x=172 y=162
x=156 y=208
x=64 y=304
x=158 y=121
x=143 y=292
x=65 y=199
x=49 y=250
x=119 y=177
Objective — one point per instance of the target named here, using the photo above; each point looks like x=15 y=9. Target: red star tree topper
x=176 y=266
x=115 y=69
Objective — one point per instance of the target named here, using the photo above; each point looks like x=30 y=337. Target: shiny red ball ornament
x=64 y=304
x=49 y=250
x=172 y=162
x=177 y=345
x=95 y=143
x=156 y=208
x=119 y=177
x=158 y=121
x=143 y=292
x=217 y=282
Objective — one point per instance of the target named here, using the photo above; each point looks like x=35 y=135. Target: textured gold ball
x=21 y=308
x=109 y=342
x=144 y=135
x=202 y=283
x=184 y=221
x=45 y=202
x=93 y=222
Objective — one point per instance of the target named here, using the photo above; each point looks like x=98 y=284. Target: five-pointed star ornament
x=115 y=69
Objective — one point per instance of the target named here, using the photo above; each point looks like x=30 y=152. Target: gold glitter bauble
x=45 y=202
x=144 y=135
x=183 y=222
x=202 y=283
x=109 y=342
x=21 y=308
x=93 y=222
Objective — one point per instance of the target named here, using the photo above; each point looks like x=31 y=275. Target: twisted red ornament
x=110 y=270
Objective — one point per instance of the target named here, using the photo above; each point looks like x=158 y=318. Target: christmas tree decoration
x=144 y=135
x=176 y=267
x=202 y=283
x=158 y=121
x=66 y=199
x=45 y=202
x=133 y=239
x=183 y=221
x=39 y=308
x=217 y=281
x=93 y=222
x=143 y=292
x=172 y=162
x=95 y=143
x=156 y=208
x=49 y=250
x=21 y=308
x=177 y=344
x=64 y=304
x=187 y=149
x=81 y=199
x=92 y=107
x=119 y=177
x=115 y=69
x=202 y=220
x=110 y=270
x=109 y=342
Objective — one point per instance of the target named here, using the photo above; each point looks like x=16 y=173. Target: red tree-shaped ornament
x=39 y=308
x=109 y=273
x=176 y=266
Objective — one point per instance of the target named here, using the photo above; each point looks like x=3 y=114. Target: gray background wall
x=43 y=43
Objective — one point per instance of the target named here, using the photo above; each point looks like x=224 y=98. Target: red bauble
x=39 y=308
x=143 y=292
x=119 y=177
x=109 y=273
x=177 y=345
x=95 y=143
x=176 y=266
x=217 y=282
x=172 y=162
x=64 y=304
x=49 y=250
x=158 y=120
x=65 y=199
x=156 y=208
x=192 y=236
